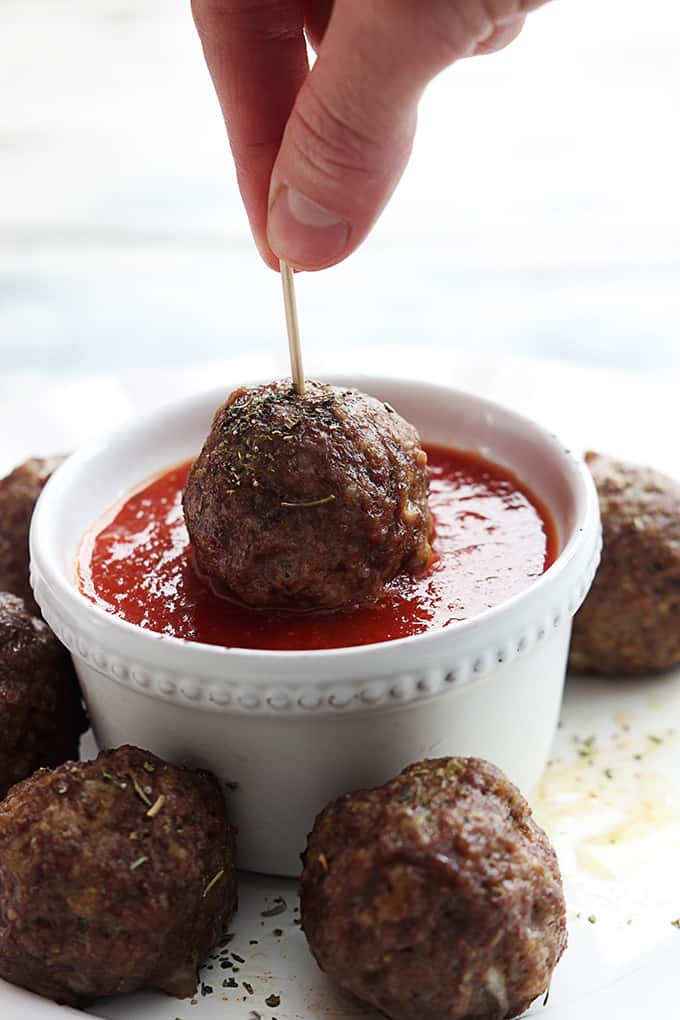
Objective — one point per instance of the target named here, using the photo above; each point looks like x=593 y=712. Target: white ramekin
x=288 y=731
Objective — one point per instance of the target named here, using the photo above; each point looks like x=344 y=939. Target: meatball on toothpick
x=307 y=500
x=435 y=895
x=115 y=874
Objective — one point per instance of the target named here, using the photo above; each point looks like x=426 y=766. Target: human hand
x=318 y=153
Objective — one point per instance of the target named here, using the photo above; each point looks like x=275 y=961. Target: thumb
x=347 y=140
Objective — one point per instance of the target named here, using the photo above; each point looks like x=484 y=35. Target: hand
x=319 y=153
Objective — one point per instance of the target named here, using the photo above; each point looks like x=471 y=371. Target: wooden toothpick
x=296 y=368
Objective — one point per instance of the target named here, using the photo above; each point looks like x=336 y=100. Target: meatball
x=19 y=493
x=308 y=501
x=435 y=895
x=115 y=874
x=41 y=715
x=630 y=621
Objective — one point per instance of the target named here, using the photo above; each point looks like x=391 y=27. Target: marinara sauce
x=492 y=539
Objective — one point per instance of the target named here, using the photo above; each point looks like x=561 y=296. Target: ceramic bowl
x=288 y=731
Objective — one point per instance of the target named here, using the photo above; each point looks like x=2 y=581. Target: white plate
x=610 y=798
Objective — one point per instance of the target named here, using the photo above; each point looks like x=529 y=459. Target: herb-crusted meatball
x=19 y=493
x=308 y=501
x=115 y=874
x=630 y=621
x=41 y=715
x=435 y=895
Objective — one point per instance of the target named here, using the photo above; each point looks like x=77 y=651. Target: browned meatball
x=435 y=895
x=630 y=621
x=19 y=493
x=41 y=715
x=115 y=874
x=307 y=501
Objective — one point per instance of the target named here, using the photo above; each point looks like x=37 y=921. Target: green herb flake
x=140 y=792
x=309 y=503
x=156 y=807
x=213 y=882
x=592 y=919
x=138 y=863
x=279 y=907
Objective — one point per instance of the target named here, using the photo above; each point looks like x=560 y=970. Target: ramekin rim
x=68 y=593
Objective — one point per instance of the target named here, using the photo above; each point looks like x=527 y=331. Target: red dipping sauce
x=493 y=538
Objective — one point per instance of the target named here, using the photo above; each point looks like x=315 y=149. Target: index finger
x=256 y=54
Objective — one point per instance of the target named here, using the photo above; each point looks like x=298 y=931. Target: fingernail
x=302 y=232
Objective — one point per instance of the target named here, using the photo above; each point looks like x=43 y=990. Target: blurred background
x=539 y=217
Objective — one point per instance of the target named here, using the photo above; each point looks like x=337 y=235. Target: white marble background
x=540 y=215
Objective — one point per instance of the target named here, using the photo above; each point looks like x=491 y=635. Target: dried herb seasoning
x=140 y=792
x=156 y=807
x=279 y=907
x=213 y=881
